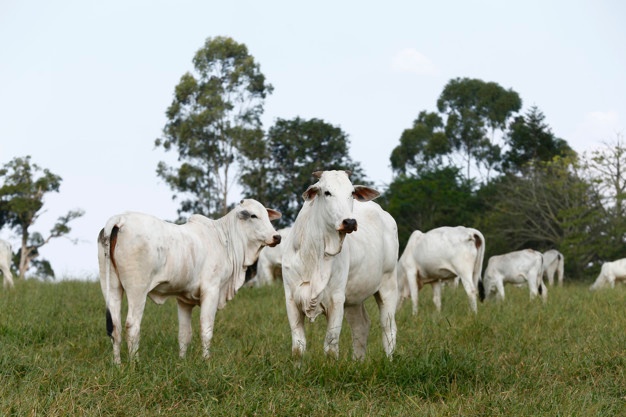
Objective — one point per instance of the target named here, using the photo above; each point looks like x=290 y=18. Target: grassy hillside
x=566 y=358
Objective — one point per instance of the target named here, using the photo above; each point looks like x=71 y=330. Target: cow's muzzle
x=275 y=240
x=348 y=226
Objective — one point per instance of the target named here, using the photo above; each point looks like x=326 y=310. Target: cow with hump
x=202 y=262
x=341 y=250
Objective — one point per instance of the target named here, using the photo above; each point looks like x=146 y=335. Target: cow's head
x=334 y=194
x=254 y=222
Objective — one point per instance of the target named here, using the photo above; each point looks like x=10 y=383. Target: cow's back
x=373 y=250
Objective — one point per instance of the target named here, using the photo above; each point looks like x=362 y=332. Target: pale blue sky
x=84 y=84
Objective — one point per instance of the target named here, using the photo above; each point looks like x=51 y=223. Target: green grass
x=517 y=358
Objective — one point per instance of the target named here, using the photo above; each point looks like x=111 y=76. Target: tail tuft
x=109 y=324
x=481 y=290
x=540 y=289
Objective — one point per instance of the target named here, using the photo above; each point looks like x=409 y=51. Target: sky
x=84 y=85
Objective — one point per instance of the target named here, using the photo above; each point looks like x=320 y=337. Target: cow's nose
x=277 y=239
x=348 y=225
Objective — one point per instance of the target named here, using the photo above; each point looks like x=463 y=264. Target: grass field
x=517 y=358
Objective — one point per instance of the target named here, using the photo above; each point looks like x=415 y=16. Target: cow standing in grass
x=5 y=263
x=610 y=273
x=202 y=262
x=330 y=268
x=518 y=268
x=441 y=255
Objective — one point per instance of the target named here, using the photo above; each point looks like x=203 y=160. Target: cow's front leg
x=184 y=327
x=296 y=323
x=208 y=309
x=437 y=295
x=334 y=313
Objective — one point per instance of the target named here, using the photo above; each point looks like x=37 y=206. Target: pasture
x=565 y=358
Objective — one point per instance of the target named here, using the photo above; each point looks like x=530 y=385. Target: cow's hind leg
x=359 y=322
x=470 y=290
x=184 y=327
x=386 y=305
x=8 y=278
x=136 y=305
x=437 y=295
x=114 y=318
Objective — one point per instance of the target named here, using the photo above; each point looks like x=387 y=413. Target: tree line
x=476 y=161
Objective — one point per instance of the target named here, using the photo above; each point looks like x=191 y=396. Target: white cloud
x=411 y=61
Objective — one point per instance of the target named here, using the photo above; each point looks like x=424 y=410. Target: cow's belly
x=188 y=294
x=516 y=279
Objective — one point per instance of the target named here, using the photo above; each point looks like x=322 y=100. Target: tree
x=21 y=200
x=530 y=140
x=473 y=108
x=293 y=150
x=421 y=147
x=437 y=198
x=550 y=206
x=214 y=112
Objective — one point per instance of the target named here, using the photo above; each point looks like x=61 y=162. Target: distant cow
x=441 y=254
x=326 y=271
x=5 y=263
x=518 y=268
x=553 y=263
x=201 y=262
x=610 y=273
x=270 y=261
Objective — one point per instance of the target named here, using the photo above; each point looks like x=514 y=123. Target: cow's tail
x=107 y=241
x=479 y=242
x=560 y=269
x=540 y=278
x=481 y=290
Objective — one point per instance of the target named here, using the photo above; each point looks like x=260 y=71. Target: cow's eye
x=327 y=193
x=254 y=216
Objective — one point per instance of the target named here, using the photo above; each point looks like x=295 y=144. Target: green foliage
x=283 y=168
x=24 y=185
x=421 y=147
x=437 y=198
x=214 y=114
x=519 y=358
x=531 y=140
x=473 y=107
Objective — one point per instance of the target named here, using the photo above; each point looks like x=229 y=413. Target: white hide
x=5 y=263
x=201 y=262
x=440 y=255
x=518 y=268
x=339 y=253
x=270 y=259
x=610 y=273
x=553 y=263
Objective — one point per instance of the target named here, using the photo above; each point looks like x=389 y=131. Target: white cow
x=610 y=273
x=201 y=262
x=270 y=260
x=553 y=263
x=5 y=263
x=441 y=254
x=326 y=271
x=518 y=268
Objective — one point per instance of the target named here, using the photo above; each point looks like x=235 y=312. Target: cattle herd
x=341 y=249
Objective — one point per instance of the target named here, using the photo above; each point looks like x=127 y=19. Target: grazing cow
x=553 y=263
x=439 y=255
x=201 y=262
x=270 y=261
x=519 y=267
x=610 y=273
x=5 y=263
x=326 y=271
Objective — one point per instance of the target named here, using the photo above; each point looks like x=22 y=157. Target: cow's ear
x=310 y=192
x=317 y=174
x=273 y=214
x=363 y=193
x=243 y=214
